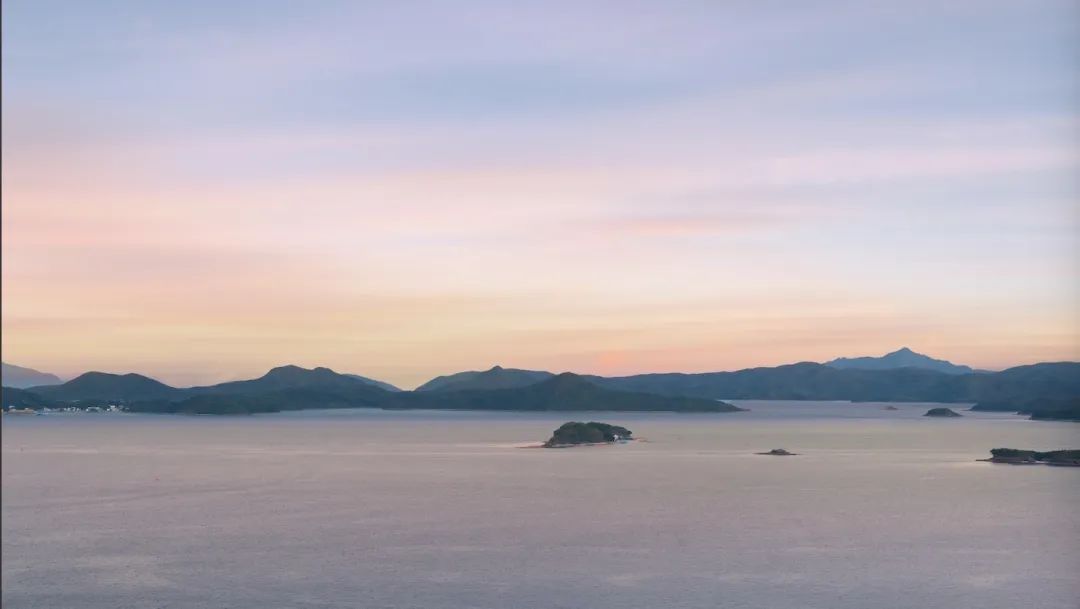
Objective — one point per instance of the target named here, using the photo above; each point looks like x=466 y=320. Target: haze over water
x=443 y=510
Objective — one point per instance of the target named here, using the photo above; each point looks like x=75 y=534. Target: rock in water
x=942 y=412
x=779 y=452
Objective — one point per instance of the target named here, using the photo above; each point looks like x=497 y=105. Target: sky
x=199 y=191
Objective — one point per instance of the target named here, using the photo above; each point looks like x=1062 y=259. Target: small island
x=575 y=433
x=890 y=408
x=1014 y=456
x=779 y=452
x=942 y=412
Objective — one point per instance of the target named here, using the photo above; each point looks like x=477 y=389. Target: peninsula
x=1013 y=456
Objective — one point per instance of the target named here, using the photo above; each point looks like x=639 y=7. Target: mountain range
x=566 y=391
x=811 y=381
x=293 y=387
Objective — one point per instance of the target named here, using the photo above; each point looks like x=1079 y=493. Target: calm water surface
x=444 y=510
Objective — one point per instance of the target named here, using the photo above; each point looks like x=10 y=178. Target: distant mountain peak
x=108 y=386
x=286 y=369
x=903 y=357
x=98 y=375
x=291 y=375
x=568 y=381
x=19 y=377
x=495 y=377
x=292 y=371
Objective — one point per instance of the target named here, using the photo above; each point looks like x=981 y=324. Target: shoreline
x=583 y=444
x=1027 y=462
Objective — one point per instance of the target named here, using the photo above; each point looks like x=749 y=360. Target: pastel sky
x=201 y=190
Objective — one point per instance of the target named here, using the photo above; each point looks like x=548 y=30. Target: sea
x=455 y=510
